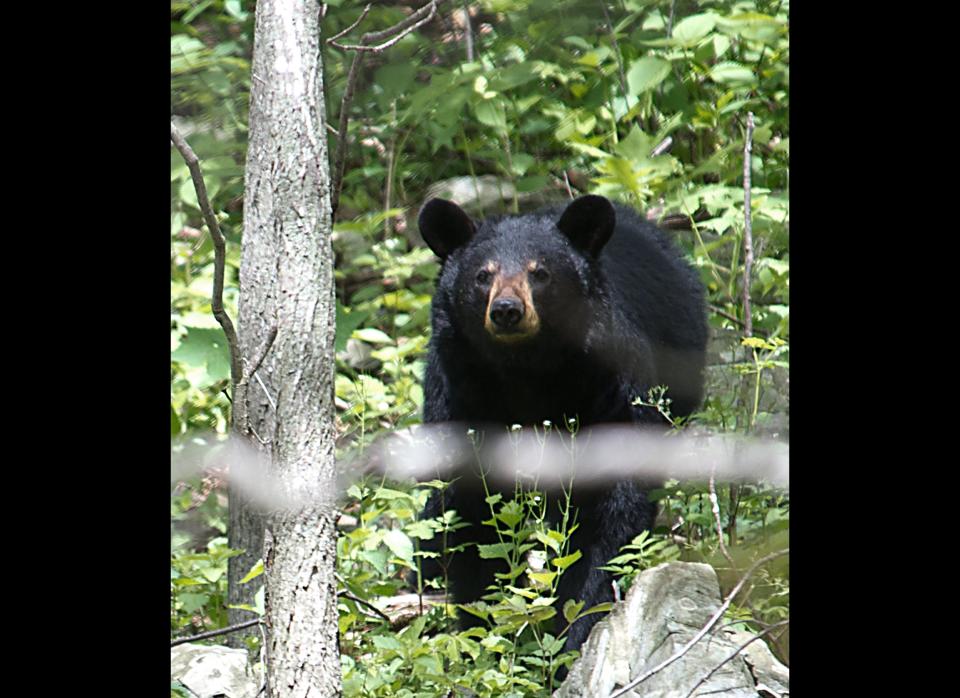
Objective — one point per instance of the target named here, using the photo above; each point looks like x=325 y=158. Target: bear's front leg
x=609 y=519
x=466 y=573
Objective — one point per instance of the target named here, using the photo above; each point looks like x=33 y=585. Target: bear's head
x=517 y=282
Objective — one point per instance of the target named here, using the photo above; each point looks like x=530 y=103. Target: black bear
x=568 y=312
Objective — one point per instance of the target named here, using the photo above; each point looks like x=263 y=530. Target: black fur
x=620 y=313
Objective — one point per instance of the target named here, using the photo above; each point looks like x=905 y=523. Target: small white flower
x=515 y=427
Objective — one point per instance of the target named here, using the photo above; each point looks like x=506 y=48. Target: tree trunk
x=286 y=281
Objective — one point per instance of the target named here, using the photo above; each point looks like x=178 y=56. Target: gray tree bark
x=286 y=281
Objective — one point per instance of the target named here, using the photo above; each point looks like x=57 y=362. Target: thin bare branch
x=705 y=629
x=266 y=392
x=616 y=53
x=662 y=147
x=263 y=354
x=468 y=31
x=351 y=27
x=715 y=506
x=215 y=633
x=736 y=652
x=566 y=182
x=339 y=158
x=391 y=35
x=368 y=42
x=724 y=314
x=219 y=249
x=747 y=228
x=366 y=604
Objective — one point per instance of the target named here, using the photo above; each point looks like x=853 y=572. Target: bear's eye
x=540 y=274
x=483 y=277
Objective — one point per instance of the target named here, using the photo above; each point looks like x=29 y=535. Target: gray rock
x=212 y=671
x=358 y=356
x=664 y=609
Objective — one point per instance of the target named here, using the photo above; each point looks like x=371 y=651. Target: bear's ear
x=444 y=226
x=588 y=222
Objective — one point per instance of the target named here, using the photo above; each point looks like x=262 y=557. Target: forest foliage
x=544 y=98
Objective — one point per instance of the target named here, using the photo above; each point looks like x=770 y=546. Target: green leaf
x=542 y=577
x=200 y=7
x=400 y=544
x=571 y=608
x=387 y=493
x=548 y=540
x=731 y=72
x=174 y=422
x=386 y=642
x=234 y=10
x=396 y=78
x=193 y=602
x=513 y=76
x=599 y=608
x=532 y=183
x=636 y=146
x=522 y=162
x=207 y=349
x=564 y=562
x=647 y=73
x=689 y=31
x=491 y=112
x=578 y=42
x=372 y=335
x=495 y=551
x=254 y=572
x=347 y=321
x=212 y=574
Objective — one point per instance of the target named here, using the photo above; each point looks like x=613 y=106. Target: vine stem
x=747 y=228
x=219 y=250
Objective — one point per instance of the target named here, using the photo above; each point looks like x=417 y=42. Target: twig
x=747 y=272
x=662 y=147
x=266 y=392
x=715 y=505
x=263 y=354
x=263 y=631
x=219 y=248
x=368 y=42
x=616 y=53
x=341 y=154
x=724 y=314
x=734 y=506
x=348 y=595
x=417 y=19
x=468 y=31
x=351 y=27
x=566 y=181
x=735 y=653
x=215 y=633
x=747 y=228
x=705 y=629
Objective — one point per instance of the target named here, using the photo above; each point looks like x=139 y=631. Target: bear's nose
x=506 y=312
